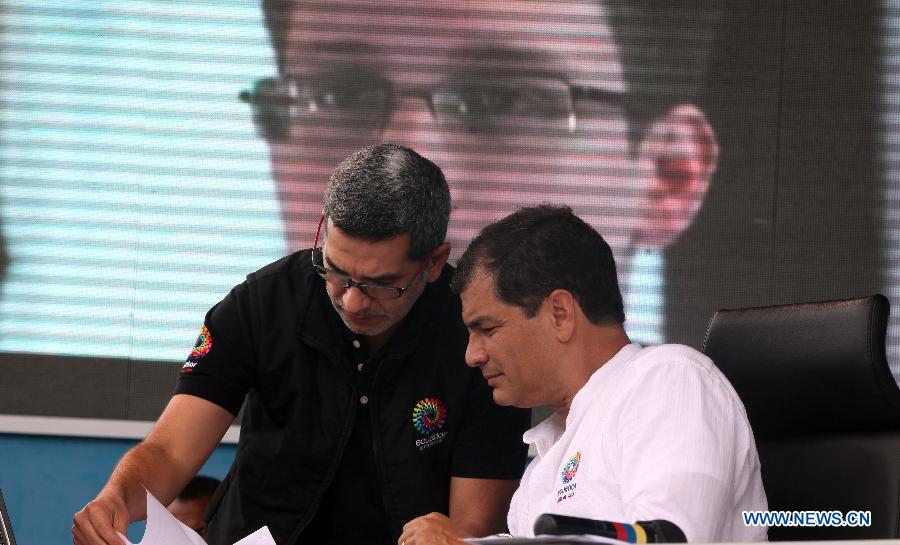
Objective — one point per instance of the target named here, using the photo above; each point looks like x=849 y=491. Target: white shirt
x=656 y=433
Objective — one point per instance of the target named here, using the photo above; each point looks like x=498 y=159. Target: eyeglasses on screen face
x=362 y=102
x=342 y=281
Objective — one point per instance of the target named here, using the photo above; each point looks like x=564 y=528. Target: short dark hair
x=201 y=486
x=665 y=50
x=388 y=190
x=536 y=250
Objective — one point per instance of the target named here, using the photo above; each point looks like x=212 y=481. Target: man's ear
x=682 y=149
x=439 y=257
x=560 y=306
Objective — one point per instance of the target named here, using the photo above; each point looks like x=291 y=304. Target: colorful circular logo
x=429 y=415
x=568 y=470
x=202 y=346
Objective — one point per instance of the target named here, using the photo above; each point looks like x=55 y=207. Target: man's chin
x=367 y=327
x=501 y=399
x=504 y=398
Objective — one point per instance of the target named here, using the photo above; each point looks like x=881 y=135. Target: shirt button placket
x=363 y=400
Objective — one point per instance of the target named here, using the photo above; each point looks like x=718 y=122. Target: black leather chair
x=824 y=408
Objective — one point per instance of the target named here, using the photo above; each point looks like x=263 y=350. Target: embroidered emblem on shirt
x=201 y=348
x=568 y=474
x=568 y=470
x=428 y=417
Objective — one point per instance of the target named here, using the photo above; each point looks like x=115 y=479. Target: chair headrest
x=809 y=368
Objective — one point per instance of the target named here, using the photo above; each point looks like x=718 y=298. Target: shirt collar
x=545 y=434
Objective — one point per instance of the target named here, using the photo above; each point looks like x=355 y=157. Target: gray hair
x=388 y=190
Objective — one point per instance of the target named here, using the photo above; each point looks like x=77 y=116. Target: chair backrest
x=824 y=408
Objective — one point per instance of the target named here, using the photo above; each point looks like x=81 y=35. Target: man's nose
x=354 y=300
x=476 y=356
x=412 y=125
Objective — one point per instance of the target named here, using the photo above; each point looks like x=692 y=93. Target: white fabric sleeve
x=678 y=437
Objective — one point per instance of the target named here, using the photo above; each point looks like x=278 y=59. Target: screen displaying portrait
x=154 y=153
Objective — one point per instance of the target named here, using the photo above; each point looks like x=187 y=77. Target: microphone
x=648 y=531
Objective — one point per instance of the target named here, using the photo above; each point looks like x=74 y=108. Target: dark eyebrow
x=481 y=323
x=503 y=55
x=385 y=278
x=498 y=53
x=468 y=60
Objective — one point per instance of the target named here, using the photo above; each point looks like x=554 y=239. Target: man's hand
x=99 y=521
x=182 y=439
x=431 y=529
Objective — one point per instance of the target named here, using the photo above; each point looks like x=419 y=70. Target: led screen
x=153 y=153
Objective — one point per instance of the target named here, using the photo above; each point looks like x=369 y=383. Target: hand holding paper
x=164 y=529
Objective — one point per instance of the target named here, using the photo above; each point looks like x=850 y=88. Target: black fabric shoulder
x=219 y=368
x=223 y=364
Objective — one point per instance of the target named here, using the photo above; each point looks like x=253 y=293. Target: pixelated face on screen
x=519 y=102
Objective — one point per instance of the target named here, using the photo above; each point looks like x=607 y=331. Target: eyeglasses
x=342 y=281
x=361 y=101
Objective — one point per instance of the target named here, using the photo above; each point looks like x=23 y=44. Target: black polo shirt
x=323 y=441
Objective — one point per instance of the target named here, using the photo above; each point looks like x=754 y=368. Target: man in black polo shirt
x=360 y=413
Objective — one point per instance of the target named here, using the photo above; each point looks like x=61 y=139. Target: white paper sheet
x=259 y=537
x=164 y=529
x=543 y=540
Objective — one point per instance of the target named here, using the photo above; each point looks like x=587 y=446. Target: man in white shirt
x=637 y=433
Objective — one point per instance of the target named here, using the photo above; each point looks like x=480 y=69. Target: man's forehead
x=571 y=37
x=478 y=298
x=366 y=258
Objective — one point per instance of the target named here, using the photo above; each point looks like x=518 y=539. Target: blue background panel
x=46 y=480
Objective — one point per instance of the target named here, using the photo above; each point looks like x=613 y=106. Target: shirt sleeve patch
x=201 y=348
